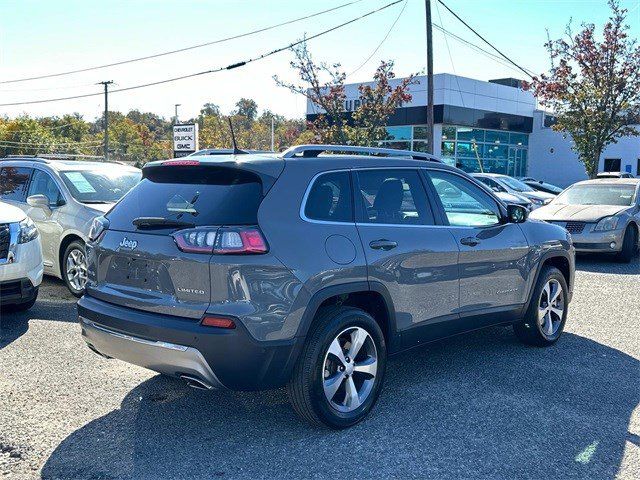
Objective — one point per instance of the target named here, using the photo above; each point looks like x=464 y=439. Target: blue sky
x=39 y=37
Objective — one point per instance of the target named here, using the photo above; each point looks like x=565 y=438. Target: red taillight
x=222 y=240
x=181 y=163
x=240 y=240
x=219 y=322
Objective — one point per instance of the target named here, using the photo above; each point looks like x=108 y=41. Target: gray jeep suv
x=262 y=270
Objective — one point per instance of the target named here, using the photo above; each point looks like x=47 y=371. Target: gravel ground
x=476 y=406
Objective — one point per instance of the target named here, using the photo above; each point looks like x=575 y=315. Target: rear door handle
x=382 y=244
x=470 y=241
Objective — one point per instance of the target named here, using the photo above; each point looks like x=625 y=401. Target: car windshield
x=100 y=185
x=589 y=194
x=516 y=185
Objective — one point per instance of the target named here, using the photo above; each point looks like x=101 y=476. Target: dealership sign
x=185 y=139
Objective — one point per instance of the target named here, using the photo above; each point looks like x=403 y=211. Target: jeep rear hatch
x=161 y=236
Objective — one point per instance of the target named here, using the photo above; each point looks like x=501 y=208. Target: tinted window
x=43 y=184
x=330 y=198
x=101 y=185
x=393 y=197
x=13 y=183
x=198 y=195
x=464 y=203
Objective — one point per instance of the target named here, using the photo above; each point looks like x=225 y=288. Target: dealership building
x=494 y=124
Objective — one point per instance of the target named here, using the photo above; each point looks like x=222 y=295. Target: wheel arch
x=559 y=259
x=64 y=243
x=372 y=297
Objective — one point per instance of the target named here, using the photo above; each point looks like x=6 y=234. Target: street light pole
x=106 y=117
x=430 y=143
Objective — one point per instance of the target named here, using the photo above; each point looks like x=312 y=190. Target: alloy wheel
x=349 y=369
x=77 y=269
x=551 y=307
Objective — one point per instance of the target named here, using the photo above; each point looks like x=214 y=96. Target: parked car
x=502 y=193
x=63 y=197
x=602 y=215
x=308 y=270
x=20 y=259
x=516 y=187
x=614 y=175
x=541 y=186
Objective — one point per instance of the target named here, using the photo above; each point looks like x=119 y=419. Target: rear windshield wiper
x=159 y=222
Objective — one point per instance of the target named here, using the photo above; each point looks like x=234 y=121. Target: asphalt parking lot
x=476 y=406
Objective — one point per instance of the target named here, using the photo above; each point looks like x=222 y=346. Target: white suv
x=63 y=197
x=20 y=259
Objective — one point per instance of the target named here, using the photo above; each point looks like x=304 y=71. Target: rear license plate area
x=134 y=272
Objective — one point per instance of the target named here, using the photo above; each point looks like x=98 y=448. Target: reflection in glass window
x=399 y=133
x=496 y=151
x=474 y=134
x=448 y=149
x=494 y=136
x=420 y=133
x=13 y=183
x=420 y=146
x=465 y=149
x=465 y=204
x=397 y=145
x=518 y=139
x=448 y=133
x=43 y=184
x=330 y=198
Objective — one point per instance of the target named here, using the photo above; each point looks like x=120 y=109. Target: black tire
x=530 y=330
x=305 y=388
x=22 y=307
x=75 y=245
x=629 y=245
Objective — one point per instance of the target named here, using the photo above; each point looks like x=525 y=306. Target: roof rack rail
x=31 y=158
x=310 y=151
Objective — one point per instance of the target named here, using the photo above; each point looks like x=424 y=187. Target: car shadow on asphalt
x=15 y=324
x=600 y=263
x=474 y=406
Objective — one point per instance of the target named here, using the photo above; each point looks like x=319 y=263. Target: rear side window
x=14 y=182
x=393 y=197
x=330 y=198
x=198 y=195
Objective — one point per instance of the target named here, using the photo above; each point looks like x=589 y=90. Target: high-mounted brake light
x=181 y=163
x=221 y=240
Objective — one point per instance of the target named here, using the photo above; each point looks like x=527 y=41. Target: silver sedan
x=601 y=215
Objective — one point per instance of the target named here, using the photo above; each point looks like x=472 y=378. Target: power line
x=43 y=127
x=484 y=39
x=184 y=49
x=216 y=70
x=92 y=142
x=384 y=39
x=453 y=67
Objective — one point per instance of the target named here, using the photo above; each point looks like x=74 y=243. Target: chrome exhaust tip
x=196 y=383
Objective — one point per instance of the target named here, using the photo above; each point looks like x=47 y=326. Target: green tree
x=594 y=86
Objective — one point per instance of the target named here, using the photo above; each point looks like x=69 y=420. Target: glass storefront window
x=448 y=149
x=465 y=149
x=420 y=133
x=399 y=133
x=397 y=145
x=474 y=134
x=448 y=132
x=496 y=151
x=497 y=137
x=518 y=139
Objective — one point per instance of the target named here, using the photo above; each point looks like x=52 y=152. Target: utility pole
x=430 y=143
x=106 y=117
x=272 y=134
x=176 y=117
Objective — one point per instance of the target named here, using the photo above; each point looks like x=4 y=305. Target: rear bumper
x=176 y=346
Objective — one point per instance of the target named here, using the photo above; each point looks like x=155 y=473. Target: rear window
x=198 y=195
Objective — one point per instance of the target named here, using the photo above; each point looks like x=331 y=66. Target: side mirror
x=517 y=213
x=39 y=201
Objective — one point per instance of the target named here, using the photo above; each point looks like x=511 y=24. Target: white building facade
x=495 y=125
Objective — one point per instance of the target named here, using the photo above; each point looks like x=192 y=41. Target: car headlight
x=98 y=227
x=28 y=231
x=606 y=224
x=536 y=201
